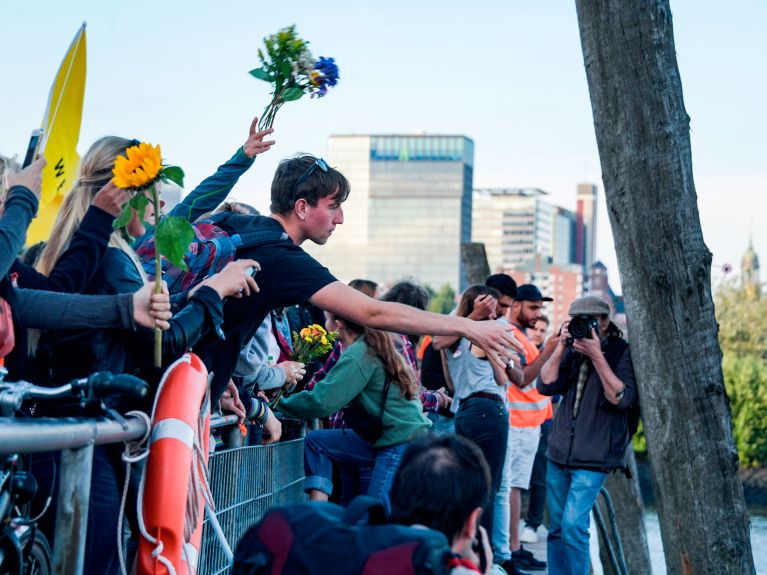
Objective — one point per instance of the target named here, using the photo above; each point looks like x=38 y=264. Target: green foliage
x=443 y=301
x=745 y=379
x=173 y=174
x=742 y=320
x=172 y=239
x=138 y=202
x=639 y=441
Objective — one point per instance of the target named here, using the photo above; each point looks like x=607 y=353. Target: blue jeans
x=486 y=422
x=324 y=446
x=571 y=496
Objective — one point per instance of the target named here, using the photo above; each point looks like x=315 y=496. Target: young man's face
x=504 y=307
x=538 y=333
x=527 y=312
x=322 y=219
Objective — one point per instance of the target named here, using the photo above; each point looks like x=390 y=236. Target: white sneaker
x=528 y=535
x=497 y=570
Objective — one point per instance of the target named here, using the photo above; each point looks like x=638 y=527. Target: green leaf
x=172 y=239
x=292 y=94
x=173 y=174
x=139 y=203
x=125 y=216
x=261 y=74
x=285 y=69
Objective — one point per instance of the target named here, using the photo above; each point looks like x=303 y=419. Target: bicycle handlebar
x=96 y=385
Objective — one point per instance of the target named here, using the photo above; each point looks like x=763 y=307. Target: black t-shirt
x=288 y=276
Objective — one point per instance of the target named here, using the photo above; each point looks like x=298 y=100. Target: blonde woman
x=76 y=354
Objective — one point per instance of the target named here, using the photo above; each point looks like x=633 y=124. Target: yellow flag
x=61 y=125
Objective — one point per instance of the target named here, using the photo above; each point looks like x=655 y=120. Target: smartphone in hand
x=33 y=147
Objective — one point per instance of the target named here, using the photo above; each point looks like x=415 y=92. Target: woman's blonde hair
x=94 y=173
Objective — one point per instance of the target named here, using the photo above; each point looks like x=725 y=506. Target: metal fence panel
x=246 y=482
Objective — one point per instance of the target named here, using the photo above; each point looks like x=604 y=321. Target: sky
x=509 y=74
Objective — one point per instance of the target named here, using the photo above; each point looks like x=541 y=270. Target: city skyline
x=507 y=75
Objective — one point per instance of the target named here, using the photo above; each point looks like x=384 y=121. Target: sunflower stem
x=157 y=279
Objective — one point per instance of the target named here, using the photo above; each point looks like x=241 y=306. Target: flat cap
x=589 y=305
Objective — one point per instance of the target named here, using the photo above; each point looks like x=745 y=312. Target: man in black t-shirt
x=307 y=197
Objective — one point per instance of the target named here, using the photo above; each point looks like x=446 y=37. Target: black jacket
x=77 y=353
x=598 y=437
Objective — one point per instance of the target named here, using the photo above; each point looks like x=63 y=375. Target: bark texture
x=642 y=132
x=629 y=511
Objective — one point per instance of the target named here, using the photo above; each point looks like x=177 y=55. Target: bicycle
x=25 y=550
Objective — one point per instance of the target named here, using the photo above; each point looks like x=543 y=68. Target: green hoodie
x=360 y=374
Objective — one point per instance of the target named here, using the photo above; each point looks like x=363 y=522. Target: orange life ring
x=165 y=484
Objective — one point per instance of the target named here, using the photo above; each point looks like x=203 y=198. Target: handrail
x=57 y=433
x=615 y=554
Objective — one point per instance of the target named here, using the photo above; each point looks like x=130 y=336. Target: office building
x=409 y=210
x=515 y=224
x=586 y=226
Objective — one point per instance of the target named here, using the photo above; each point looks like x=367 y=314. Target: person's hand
x=151 y=309
x=272 y=428
x=485 y=307
x=111 y=199
x=443 y=398
x=564 y=334
x=591 y=347
x=550 y=344
x=496 y=339
x=255 y=143
x=234 y=280
x=30 y=177
x=294 y=371
x=230 y=401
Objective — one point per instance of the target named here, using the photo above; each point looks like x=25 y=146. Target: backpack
x=320 y=538
x=215 y=244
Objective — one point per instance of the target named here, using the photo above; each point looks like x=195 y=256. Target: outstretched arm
x=492 y=336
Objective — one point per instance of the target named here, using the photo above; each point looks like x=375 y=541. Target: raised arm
x=214 y=189
x=492 y=336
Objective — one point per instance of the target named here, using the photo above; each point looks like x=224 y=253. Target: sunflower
x=138 y=168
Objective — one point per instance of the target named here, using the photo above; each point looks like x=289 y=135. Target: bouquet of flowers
x=289 y=66
x=139 y=171
x=310 y=343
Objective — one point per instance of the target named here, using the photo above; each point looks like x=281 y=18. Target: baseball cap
x=529 y=292
x=589 y=305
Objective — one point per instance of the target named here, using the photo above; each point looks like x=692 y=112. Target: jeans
x=344 y=446
x=571 y=496
x=518 y=463
x=486 y=422
x=538 y=482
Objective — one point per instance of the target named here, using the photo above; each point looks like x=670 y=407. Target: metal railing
x=245 y=481
x=615 y=553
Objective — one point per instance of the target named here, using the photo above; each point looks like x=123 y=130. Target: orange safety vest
x=527 y=407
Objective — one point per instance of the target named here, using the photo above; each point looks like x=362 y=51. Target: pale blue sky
x=509 y=74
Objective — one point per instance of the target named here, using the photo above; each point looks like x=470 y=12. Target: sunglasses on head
x=318 y=163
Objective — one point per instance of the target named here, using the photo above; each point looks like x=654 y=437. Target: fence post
x=72 y=510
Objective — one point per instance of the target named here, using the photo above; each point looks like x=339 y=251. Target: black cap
x=529 y=292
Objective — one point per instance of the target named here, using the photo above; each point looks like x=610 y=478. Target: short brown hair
x=320 y=184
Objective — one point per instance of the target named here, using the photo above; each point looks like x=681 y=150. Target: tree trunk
x=642 y=132
x=629 y=510
x=475 y=263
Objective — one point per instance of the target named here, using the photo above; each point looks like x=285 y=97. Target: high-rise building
x=563 y=225
x=409 y=209
x=749 y=271
x=586 y=226
x=515 y=224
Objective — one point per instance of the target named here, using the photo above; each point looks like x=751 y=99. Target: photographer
x=591 y=367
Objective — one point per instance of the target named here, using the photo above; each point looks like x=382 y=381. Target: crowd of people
x=390 y=403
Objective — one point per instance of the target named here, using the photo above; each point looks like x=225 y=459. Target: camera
x=580 y=327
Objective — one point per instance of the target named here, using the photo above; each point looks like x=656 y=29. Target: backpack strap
x=362 y=506
x=249 y=229
x=384 y=395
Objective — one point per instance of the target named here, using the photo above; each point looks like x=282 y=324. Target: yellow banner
x=61 y=125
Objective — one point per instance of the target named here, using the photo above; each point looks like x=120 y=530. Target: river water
x=758 y=542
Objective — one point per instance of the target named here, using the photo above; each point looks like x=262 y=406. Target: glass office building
x=409 y=210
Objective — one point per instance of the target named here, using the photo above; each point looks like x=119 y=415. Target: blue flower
x=324 y=75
